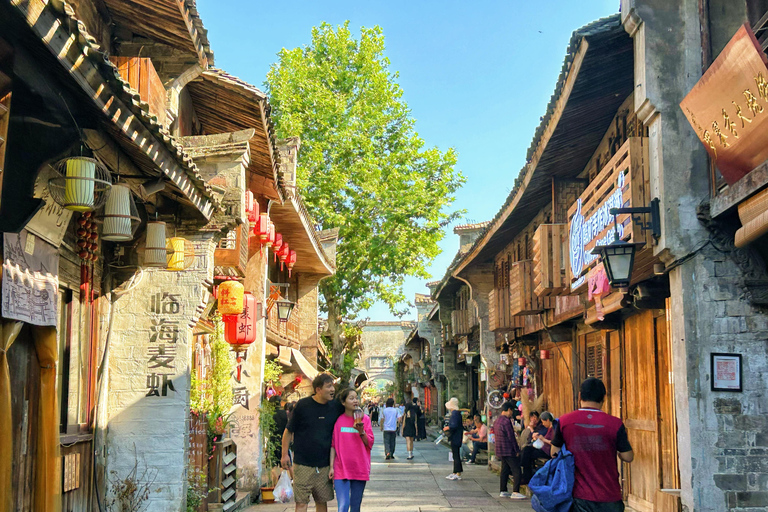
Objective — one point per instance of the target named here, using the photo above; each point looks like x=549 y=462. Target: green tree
x=362 y=168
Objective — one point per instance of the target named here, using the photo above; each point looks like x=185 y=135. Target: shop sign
x=728 y=107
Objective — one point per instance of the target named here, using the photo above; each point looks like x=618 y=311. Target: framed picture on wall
x=726 y=372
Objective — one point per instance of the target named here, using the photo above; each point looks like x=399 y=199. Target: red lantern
x=283 y=254
x=261 y=229
x=277 y=244
x=270 y=235
x=291 y=261
x=521 y=361
x=240 y=330
x=545 y=354
x=251 y=207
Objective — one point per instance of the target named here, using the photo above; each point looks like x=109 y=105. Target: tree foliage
x=362 y=166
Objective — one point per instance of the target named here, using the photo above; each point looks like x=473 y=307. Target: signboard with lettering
x=728 y=107
x=622 y=183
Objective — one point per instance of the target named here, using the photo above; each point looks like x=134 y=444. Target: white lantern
x=82 y=184
x=120 y=215
x=155 y=253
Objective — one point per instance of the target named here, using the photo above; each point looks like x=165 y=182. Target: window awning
x=306 y=367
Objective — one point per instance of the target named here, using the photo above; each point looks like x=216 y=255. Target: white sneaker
x=458 y=477
x=450 y=477
x=504 y=494
x=518 y=496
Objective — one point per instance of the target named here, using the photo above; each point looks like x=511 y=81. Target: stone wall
x=383 y=339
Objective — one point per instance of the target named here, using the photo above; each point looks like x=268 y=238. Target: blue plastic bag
x=552 y=485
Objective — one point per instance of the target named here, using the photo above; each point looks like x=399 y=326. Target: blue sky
x=476 y=75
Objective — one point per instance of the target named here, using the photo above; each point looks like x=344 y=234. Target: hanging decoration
x=87 y=238
x=545 y=354
x=283 y=255
x=240 y=330
x=121 y=218
x=181 y=254
x=277 y=245
x=82 y=185
x=271 y=235
x=155 y=253
x=251 y=208
x=291 y=261
x=231 y=296
x=261 y=230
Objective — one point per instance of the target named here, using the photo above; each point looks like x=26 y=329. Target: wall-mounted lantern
x=82 y=184
x=284 y=309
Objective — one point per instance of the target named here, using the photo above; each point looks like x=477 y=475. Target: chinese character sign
x=165 y=324
x=728 y=107
x=30 y=279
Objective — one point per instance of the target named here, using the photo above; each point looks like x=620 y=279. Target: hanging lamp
x=82 y=184
x=155 y=252
x=283 y=254
x=181 y=254
x=278 y=243
x=230 y=296
x=291 y=261
x=121 y=218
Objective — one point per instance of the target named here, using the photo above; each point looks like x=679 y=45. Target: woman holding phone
x=351 y=453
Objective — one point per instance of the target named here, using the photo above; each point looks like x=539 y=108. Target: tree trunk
x=334 y=331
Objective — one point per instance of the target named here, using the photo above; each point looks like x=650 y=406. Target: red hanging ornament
x=251 y=207
x=240 y=331
x=271 y=235
x=262 y=230
x=277 y=244
x=291 y=261
x=283 y=254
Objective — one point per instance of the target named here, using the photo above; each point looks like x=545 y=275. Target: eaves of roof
x=126 y=114
x=596 y=77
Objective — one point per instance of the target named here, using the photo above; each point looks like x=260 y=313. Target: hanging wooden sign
x=728 y=107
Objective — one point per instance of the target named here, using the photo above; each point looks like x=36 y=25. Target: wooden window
x=594 y=358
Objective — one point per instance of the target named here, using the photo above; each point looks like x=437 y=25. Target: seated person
x=543 y=429
x=479 y=438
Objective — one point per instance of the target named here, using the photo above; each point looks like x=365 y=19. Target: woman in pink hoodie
x=351 y=453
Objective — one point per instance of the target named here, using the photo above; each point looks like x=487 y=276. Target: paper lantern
x=155 y=253
x=240 y=330
x=283 y=254
x=291 y=261
x=82 y=184
x=262 y=228
x=277 y=245
x=545 y=354
x=181 y=254
x=231 y=298
x=521 y=361
x=251 y=207
x=121 y=218
x=270 y=235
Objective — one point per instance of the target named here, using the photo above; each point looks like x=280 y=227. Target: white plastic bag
x=283 y=490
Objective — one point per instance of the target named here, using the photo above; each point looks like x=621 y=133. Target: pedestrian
x=508 y=452
x=401 y=409
x=409 y=427
x=375 y=415
x=390 y=418
x=533 y=450
x=351 y=453
x=421 y=422
x=479 y=438
x=594 y=438
x=455 y=430
x=310 y=428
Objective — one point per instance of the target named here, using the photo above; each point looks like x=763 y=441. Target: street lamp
x=619 y=256
x=284 y=308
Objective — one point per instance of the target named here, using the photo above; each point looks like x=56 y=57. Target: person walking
x=351 y=453
x=508 y=452
x=310 y=428
x=390 y=418
x=595 y=439
x=375 y=414
x=421 y=422
x=409 y=427
x=455 y=430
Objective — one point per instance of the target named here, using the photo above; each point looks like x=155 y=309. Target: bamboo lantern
x=240 y=330
x=181 y=254
x=231 y=298
x=291 y=261
x=82 y=184
x=277 y=244
x=121 y=218
x=155 y=253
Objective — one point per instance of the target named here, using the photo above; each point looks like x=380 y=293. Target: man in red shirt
x=594 y=438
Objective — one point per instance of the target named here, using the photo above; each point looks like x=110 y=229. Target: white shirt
x=389 y=416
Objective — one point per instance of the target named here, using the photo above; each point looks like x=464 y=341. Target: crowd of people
x=326 y=443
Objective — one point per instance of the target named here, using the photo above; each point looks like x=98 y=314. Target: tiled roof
x=471 y=227
x=422 y=298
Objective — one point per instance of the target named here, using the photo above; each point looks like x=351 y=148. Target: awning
x=306 y=367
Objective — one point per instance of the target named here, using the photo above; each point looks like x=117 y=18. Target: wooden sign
x=622 y=183
x=728 y=107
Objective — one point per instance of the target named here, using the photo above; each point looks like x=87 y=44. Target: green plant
x=270 y=440
x=272 y=371
x=197 y=491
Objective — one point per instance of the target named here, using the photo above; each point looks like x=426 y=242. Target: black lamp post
x=284 y=309
x=619 y=256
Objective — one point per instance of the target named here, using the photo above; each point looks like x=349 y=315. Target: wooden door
x=558 y=380
x=649 y=412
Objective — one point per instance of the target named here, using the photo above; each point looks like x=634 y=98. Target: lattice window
x=595 y=360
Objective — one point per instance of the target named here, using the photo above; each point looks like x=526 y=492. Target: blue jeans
x=349 y=494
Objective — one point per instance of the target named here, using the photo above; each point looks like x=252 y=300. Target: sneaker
x=410 y=457
x=452 y=476
x=504 y=494
x=458 y=477
x=518 y=496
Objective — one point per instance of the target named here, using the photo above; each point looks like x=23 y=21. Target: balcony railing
x=288 y=330
x=231 y=255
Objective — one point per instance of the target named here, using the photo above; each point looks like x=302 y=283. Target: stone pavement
x=419 y=485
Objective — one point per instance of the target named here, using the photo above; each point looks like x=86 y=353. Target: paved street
x=420 y=485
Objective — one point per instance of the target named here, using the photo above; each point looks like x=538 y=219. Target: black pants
x=390 y=437
x=457 y=468
x=510 y=465
x=476 y=447
x=529 y=455
x=594 y=506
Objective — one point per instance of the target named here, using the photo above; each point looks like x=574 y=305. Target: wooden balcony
x=460 y=322
x=141 y=74
x=522 y=298
x=550 y=255
x=287 y=331
x=231 y=256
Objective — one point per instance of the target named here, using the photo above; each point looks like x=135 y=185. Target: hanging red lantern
x=231 y=296
x=240 y=330
x=283 y=254
x=277 y=244
x=251 y=207
x=521 y=361
x=271 y=235
x=291 y=261
x=545 y=354
x=261 y=229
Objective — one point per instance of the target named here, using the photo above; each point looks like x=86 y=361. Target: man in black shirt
x=311 y=431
